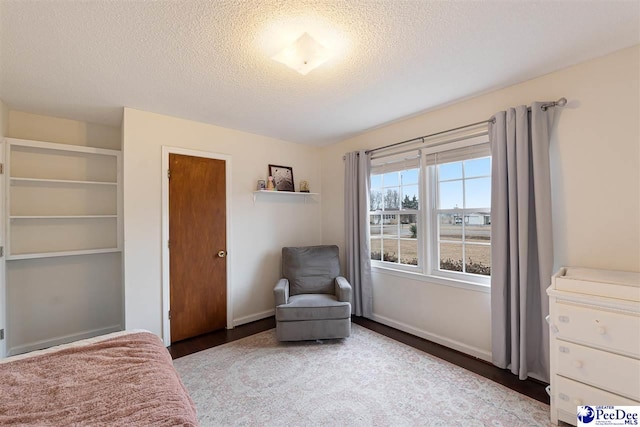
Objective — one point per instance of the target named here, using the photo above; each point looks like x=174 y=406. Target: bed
x=125 y=378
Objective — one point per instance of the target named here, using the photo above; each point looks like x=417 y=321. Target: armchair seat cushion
x=313 y=307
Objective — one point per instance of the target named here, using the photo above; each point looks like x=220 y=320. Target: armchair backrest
x=311 y=269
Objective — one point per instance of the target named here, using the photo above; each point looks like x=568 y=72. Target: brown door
x=197 y=249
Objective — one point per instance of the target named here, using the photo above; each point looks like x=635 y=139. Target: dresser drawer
x=599 y=328
x=571 y=394
x=618 y=374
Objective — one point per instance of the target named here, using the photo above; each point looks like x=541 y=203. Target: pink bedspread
x=127 y=380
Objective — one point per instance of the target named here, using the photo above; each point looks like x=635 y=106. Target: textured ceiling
x=210 y=60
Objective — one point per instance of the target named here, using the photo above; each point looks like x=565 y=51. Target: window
x=462 y=214
x=455 y=180
x=393 y=213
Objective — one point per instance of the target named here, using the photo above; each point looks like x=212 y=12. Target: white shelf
x=54 y=146
x=61 y=253
x=61 y=216
x=60 y=181
x=282 y=193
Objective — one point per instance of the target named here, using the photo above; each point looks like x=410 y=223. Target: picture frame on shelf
x=282 y=177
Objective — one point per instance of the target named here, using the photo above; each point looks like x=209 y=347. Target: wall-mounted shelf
x=282 y=193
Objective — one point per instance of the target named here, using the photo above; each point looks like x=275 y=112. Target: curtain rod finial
x=561 y=102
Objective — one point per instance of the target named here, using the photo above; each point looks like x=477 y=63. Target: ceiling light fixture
x=303 y=55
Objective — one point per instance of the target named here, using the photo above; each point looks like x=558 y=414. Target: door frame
x=4 y=191
x=166 y=150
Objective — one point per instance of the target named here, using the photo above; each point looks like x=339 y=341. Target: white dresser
x=594 y=320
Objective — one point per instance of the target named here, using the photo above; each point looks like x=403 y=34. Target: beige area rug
x=364 y=380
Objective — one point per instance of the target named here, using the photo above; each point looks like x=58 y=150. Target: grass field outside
x=396 y=245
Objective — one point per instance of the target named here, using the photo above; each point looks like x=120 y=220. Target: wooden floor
x=530 y=387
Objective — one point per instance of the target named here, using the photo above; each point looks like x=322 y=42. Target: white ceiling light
x=303 y=55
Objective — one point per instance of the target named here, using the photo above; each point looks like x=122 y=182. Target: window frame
x=382 y=212
x=428 y=268
x=434 y=240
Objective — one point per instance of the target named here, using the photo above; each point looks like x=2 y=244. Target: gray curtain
x=356 y=204
x=521 y=239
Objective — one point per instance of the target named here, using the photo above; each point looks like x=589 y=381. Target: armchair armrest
x=343 y=289
x=281 y=292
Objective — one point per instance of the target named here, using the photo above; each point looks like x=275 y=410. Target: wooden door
x=197 y=246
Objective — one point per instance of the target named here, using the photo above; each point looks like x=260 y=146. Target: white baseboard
x=38 y=345
x=253 y=317
x=447 y=342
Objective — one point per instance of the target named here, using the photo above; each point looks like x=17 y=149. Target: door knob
x=222 y=254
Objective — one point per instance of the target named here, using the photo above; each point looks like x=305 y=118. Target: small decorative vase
x=270 y=185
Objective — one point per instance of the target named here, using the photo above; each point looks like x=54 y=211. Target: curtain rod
x=560 y=103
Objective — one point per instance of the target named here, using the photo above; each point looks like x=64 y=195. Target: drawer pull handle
x=602 y=330
x=577 y=364
x=563 y=396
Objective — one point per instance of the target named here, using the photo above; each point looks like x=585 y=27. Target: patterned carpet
x=364 y=380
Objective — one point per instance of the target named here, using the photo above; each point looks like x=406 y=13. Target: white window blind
x=395 y=162
x=458 y=151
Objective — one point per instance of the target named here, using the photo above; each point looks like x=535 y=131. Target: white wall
x=595 y=156
x=258 y=232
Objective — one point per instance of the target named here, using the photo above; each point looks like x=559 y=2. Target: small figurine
x=270 y=185
x=304 y=187
x=262 y=185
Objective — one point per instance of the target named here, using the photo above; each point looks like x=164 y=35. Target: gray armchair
x=312 y=300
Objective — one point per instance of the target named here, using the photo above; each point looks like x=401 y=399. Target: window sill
x=462 y=284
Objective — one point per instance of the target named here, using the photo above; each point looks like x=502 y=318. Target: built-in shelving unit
x=63 y=242
x=280 y=193
x=62 y=200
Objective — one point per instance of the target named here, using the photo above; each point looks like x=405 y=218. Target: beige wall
x=595 y=156
x=63 y=131
x=4 y=119
x=258 y=231
x=57 y=300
